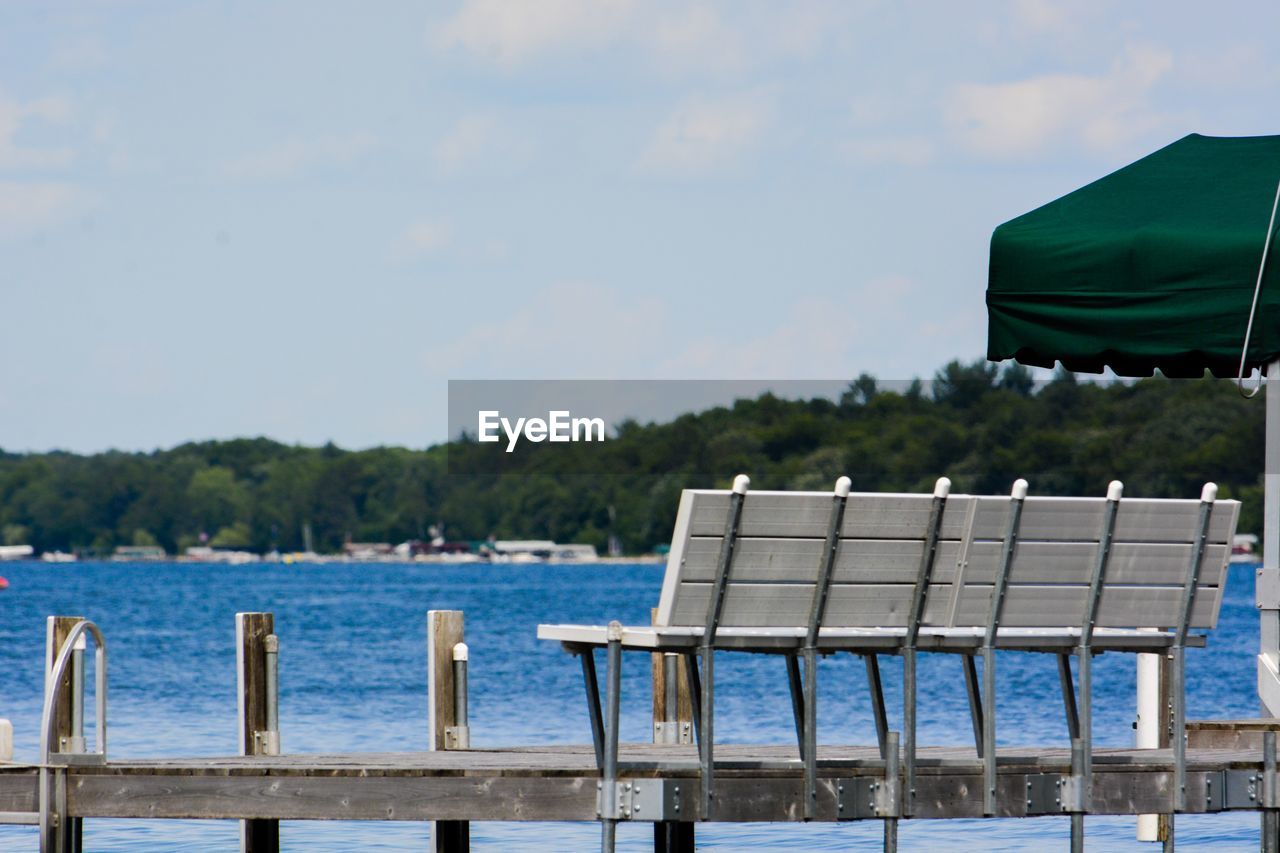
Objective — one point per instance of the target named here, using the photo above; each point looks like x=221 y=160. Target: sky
x=301 y=219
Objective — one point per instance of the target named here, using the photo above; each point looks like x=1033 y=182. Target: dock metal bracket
x=865 y=797
x=647 y=800
x=679 y=731
x=1052 y=793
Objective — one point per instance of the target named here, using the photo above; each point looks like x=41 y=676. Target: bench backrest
x=779 y=548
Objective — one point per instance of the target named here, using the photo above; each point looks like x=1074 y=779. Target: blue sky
x=300 y=219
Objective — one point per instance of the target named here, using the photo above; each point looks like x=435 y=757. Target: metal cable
x=1253 y=307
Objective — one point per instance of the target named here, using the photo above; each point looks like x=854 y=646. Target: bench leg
x=706 y=743
x=987 y=743
x=695 y=694
x=909 y=731
x=593 y=703
x=797 y=699
x=1068 y=696
x=810 y=735
x=1178 y=737
x=975 y=697
x=877 y=703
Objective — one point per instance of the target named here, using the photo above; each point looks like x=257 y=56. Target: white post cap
x=1019 y=492
x=614 y=632
x=1210 y=493
x=843 y=485
x=460 y=651
x=741 y=483
x=1114 y=490
x=942 y=488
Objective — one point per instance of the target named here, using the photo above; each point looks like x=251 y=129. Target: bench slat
x=796 y=560
x=1047 y=606
x=776 y=560
x=765 y=605
x=807 y=515
x=1080 y=519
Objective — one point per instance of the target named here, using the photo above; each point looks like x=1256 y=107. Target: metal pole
x=613 y=690
x=1148 y=728
x=893 y=787
x=75 y=743
x=462 y=730
x=1268 y=586
x=1270 y=821
x=671 y=696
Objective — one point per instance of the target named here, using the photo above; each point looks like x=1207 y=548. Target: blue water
x=353 y=677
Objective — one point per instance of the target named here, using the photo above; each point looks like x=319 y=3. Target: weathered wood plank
x=325 y=798
x=57 y=629
x=445 y=629
x=252 y=630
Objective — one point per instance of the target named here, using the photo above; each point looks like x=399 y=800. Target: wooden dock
x=1230 y=766
x=546 y=783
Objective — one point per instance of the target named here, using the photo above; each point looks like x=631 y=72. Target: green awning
x=1151 y=267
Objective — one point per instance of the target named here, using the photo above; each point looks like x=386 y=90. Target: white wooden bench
x=807 y=573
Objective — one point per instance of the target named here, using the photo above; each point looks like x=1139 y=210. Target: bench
x=803 y=574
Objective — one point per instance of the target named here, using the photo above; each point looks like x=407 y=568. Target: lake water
x=353 y=678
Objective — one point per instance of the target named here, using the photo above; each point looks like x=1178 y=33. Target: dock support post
x=445 y=632
x=893 y=785
x=69 y=723
x=1147 y=727
x=672 y=704
x=253 y=698
x=1270 y=816
x=672 y=724
x=612 y=704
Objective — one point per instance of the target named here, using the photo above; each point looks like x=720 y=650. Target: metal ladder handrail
x=47 y=716
x=100 y=694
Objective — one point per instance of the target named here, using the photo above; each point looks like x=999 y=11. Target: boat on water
x=1243 y=548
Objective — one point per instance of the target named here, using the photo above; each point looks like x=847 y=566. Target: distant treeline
x=981 y=426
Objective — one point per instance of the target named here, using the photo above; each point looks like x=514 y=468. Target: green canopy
x=1151 y=267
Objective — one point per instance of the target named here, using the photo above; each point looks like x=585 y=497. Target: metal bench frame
x=794 y=645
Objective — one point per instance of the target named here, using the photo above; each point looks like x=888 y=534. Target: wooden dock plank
x=755 y=783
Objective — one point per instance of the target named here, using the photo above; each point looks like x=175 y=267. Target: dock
x=1230 y=765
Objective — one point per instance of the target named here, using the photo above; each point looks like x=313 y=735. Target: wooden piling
x=252 y=630
x=671 y=836
x=445 y=629
x=57 y=628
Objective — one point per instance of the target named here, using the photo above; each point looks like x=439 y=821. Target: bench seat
x=676 y=638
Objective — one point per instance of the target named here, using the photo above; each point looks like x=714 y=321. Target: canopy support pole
x=1268 y=582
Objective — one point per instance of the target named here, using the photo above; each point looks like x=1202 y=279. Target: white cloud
x=13 y=116
x=423 y=237
x=26 y=207
x=865 y=328
x=569 y=330
x=482 y=142
x=1041 y=15
x=910 y=151
x=1025 y=117
x=703 y=136
x=674 y=37
x=295 y=156
x=578 y=330
x=509 y=33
